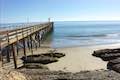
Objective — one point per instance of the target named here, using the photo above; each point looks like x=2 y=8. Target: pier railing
x=11 y=36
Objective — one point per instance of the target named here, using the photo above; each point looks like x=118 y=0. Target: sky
x=12 y=11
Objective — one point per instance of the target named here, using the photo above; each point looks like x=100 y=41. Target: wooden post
x=24 y=45
x=28 y=41
x=1 y=56
x=8 y=48
x=39 y=39
x=14 y=57
x=17 y=42
x=36 y=39
x=39 y=36
x=52 y=25
x=31 y=44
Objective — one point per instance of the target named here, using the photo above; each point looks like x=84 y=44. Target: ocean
x=80 y=33
x=85 y=33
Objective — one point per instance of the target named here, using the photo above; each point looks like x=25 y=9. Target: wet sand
x=80 y=59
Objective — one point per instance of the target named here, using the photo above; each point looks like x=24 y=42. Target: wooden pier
x=12 y=41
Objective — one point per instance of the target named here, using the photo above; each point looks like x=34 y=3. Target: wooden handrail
x=21 y=31
x=4 y=32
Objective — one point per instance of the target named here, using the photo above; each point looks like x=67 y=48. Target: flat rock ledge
x=41 y=74
x=34 y=74
x=39 y=60
x=110 y=55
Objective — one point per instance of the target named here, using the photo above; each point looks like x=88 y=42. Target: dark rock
x=57 y=55
x=39 y=59
x=110 y=56
x=115 y=67
x=107 y=54
x=113 y=62
x=98 y=53
x=35 y=61
x=35 y=66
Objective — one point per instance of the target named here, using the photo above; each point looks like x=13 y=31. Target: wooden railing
x=11 y=36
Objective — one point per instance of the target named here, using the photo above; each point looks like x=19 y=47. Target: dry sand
x=80 y=59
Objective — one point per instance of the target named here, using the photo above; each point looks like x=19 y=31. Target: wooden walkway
x=26 y=37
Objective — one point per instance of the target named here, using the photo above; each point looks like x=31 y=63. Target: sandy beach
x=80 y=59
x=77 y=64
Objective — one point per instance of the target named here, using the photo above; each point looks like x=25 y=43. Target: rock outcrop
x=36 y=74
x=38 y=61
x=107 y=51
x=107 y=54
x=110 y=55
x=57 y=55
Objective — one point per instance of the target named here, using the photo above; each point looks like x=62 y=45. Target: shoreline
x=80 y=59
x=112 y=45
